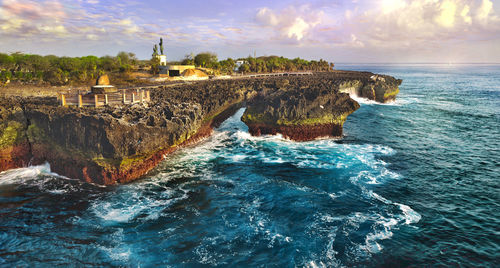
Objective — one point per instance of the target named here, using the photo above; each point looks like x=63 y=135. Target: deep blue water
x=412 y=183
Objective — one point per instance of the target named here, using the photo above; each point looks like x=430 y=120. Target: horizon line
x=424 y=63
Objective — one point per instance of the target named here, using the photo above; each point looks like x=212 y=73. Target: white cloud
x=291 y=23
x=267 y=17
x=92 y=37
x=484 y=11
x=30 y=17
x=447 y=15
x=298 y=29
x=465 y=14
x=424 y=23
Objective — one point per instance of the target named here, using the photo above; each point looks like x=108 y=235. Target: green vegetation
x=326 y=119
x=253 y=117
x=11 y=134
x=266 y=64
x=391 y=94
x=206 y=60
x=282 y=64
x=53 y=70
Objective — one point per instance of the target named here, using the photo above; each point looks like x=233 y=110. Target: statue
x=161 y=46
x=155 y=51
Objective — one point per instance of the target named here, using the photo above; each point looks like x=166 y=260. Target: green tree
x=90 y=64
x=155 y=50
x=124 y=57
x=227 y=66
x=6 y=62
x=205 y=59
x=244 y=68
x=155 y=65
x=188 y=59
x=55 y=76
x=109 y=64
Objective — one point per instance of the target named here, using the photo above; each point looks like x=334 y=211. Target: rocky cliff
x=380 y=88
x=119 y=144
x=300 y=109
x=315 y=106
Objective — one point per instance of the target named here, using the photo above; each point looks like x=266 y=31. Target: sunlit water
x=415 y=182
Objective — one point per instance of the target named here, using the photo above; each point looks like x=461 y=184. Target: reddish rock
x=298 y=133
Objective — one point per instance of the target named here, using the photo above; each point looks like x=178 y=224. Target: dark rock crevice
x=28 y=124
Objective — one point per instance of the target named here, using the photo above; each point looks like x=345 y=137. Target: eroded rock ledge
x=119 y=144
x=315 y=106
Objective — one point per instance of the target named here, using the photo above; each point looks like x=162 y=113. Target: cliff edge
x=118 y=144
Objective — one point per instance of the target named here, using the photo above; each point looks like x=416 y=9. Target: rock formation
x=380 y=88
x=300 y=109
x=103 y=80
x=121 y=143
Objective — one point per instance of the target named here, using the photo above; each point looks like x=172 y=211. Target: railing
x=97 y=100
x=274 y=74
x=281 y=74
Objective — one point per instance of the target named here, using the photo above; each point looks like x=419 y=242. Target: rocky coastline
x=119 y=144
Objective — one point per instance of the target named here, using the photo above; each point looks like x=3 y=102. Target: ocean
x=412 y=183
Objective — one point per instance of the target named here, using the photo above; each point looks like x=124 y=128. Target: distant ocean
x=412 y=183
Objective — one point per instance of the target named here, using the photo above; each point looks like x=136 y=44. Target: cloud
x=382 y=23
x=32 y=18
x=363 y=26
x=50 y=20
x=426 y=22
x=291 y=23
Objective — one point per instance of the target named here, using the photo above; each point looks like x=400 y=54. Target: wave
x=44 y=180
x=400 y=101
x=20 y=175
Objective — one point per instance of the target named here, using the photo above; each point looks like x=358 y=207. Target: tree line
x=56 y=70
x=264 y=64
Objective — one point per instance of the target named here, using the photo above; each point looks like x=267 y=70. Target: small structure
x=103 y=86
x=238 y=64
x=177 y=70
x=163 y=60
x=194 y=72
x=105 y=94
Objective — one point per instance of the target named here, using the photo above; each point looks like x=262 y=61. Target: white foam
x=238 y=157
x=313 y=264
x=120 y=252
x=135 y=202
x=19 y=175
x=398 y=102
x=410 y=215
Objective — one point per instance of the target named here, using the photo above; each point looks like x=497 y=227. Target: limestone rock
x=103 y=80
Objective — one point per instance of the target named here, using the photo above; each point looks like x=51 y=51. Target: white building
x=163 y=60
x=238 y=64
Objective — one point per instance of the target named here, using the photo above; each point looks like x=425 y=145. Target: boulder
x=103 y=80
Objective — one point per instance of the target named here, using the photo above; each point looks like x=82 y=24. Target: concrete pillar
x=142 y=96
x=124 y=96
x=80 y=101
x=133 y=97
x=106 y=99
x=148 y=96
x=96 y=100
x=63 y=100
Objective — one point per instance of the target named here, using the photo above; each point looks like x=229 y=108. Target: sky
x=346 y=31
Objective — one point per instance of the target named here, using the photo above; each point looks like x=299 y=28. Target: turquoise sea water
x=412 y=183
